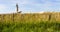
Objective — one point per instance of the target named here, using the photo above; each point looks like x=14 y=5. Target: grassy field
x=33 y=26
x=30 y=17
x=30 y=22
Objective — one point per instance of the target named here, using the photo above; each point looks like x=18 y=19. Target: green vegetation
x=30 y=22
x=33 y=26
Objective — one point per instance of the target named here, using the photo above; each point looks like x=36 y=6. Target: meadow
x=42 y=26
x=29 y=23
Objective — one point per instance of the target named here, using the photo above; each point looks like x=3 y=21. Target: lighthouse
x=17 y=8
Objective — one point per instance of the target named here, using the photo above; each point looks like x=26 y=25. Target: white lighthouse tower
x=17 y=8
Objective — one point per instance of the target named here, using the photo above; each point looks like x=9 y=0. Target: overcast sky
x=8 y=6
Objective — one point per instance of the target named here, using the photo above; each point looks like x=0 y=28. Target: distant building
x=17 y=8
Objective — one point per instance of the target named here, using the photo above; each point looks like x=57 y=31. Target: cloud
x=19 y=1
x=39 y=5
x=2 y=7
x=31 y=5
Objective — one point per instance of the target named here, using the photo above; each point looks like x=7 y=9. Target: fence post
x=13 y=17
x=49 y=17
x=2 y=19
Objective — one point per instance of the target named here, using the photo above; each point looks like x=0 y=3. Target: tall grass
x=42 y=26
